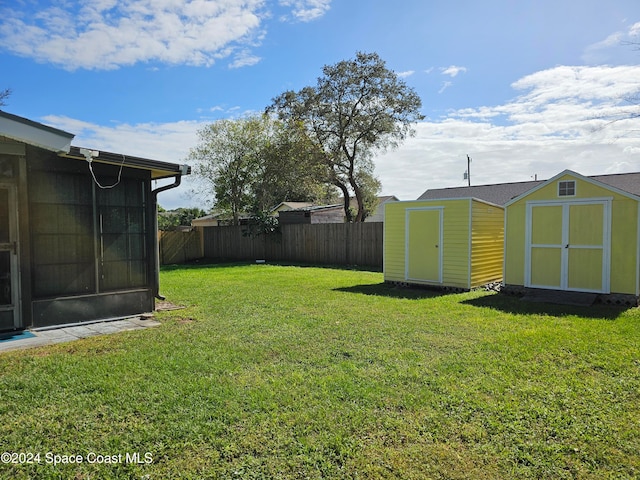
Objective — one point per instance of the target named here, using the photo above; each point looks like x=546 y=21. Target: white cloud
x=615 y=48
x=560 y=120
x=244 y=58
x=108 y=34
x=453 y=70
x=405 y=74
x=444 y=86
x=307 y=10
x=169 y=142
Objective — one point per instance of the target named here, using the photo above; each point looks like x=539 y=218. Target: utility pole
x=467 y=174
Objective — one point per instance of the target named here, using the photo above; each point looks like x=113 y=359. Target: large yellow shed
x=452 y=242
x=575 y=233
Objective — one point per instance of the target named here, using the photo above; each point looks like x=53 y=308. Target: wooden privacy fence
x=179 y=247
x=326 y=243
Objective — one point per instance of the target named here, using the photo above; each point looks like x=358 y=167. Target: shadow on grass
x=200 y=263
x=496 y=301
x=222 y=263
x=357 y=268
x=517 y=306
x=393 y=291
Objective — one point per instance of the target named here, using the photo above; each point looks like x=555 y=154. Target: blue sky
x=525 y=88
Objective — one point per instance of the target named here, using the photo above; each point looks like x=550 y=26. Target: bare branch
x=4 y=94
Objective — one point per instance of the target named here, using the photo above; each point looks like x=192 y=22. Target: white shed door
x=568 y=246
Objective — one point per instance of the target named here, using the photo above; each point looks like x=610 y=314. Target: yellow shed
x=452 y=242
x=575 y=233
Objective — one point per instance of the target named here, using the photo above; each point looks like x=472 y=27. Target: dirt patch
x=163 y=305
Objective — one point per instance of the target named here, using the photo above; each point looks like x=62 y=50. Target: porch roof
x=33 y=133
x=23 y=130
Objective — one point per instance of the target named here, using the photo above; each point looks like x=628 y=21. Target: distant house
x=223 y=219
x=77 y=228
x=212 y=220
x=304 y=212
x=313 y=214
x=284 y=206
x=497 y=193
x=378 y=214
x=218 y=220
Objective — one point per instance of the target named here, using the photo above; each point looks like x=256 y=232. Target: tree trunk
x=358 y=193
x=347 y=201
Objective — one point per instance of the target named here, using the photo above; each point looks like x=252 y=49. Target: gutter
x=184 y=170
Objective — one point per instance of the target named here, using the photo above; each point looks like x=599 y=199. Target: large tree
x=226 y=160
x=249 y=165
x=357 y=108
x=290 y=169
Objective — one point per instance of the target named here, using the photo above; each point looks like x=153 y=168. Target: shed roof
x=501 y=193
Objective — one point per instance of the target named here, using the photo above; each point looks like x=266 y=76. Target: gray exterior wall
x=84 y=253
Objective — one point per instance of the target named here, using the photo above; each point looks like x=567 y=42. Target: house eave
x=33 y=133
x=158 y=169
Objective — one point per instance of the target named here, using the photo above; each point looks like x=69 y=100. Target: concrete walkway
x=75 y=332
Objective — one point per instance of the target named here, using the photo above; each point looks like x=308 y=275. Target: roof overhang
x=157 y=168
x=449 y=199
x=33 y=133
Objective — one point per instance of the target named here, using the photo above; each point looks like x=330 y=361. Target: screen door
x=9 y=312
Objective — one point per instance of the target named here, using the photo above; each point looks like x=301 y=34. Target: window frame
x=567 y=188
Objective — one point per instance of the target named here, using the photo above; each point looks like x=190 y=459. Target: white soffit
x=33 y=133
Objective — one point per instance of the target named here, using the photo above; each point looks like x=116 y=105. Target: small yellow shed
x=575 y=233
x=452 y=242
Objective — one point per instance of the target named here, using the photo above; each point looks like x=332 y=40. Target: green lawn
x=293 y=372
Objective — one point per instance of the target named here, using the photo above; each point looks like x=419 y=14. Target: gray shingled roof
x=498 y=193
x=627 y=182
x=501 y=193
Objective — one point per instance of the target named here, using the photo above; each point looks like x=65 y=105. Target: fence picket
x=327 y=243
x=324 y=243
